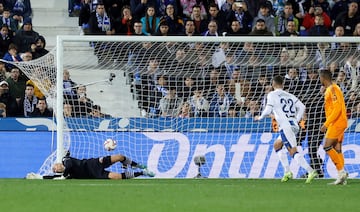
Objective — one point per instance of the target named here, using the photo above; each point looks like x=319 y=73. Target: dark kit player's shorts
x=97 y=169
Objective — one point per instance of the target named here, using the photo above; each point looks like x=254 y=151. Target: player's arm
x=267 y=111
x=335 y=96
x=300 y=108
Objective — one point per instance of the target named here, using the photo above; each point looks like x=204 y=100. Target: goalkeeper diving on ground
x=94 y=168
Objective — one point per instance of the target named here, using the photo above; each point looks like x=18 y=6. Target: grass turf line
x=177 y=195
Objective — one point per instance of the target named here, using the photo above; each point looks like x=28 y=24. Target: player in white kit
x=288 y=111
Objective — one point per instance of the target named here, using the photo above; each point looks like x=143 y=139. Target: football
x=110 y=144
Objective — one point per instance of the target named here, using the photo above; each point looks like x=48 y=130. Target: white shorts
x=288 y=135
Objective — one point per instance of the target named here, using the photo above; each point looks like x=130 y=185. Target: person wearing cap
x=25 y=36
x=5 y=97
x=265 y=14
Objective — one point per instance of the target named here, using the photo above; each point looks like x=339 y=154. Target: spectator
x=163 y=29
x=68 y=110
x=342 y=82
x=139 y=7
x=220 y=102
x=5 y=97
x=9 y=21
x=37 y=91
x=170 y=104
x=188 y=8
x=190 y=29
x=199 y=105
x=150 y=22
x=100 y=23
x=123 y=26
x=352 y=71
x=161 y=6
x=239 y=87
x=290 y=29
x=38 y=49
x=260 y=29
x=41 y=109
x=265 y=14
x=254 y=6
x=357 y=33
x=352 y=100
x=253 y=109
x=348 y=19
x=82 y=104
x=12 y=56
x=26 y=56
x=16 y=84
x=74 y=7
x=5 y=40
x=282 y=19
x=240 y=12
x=356 y=112
x=1 y=7
x=185 y=111
x=310 y=17
x=175 y=23
x=138 y=28
x=25 y=36
x=69 y=86
x=234 y=29
x=291 y=81
x=4 y=74
x=186 y=88
x=21 y=10
x=339 y=7
x=84 y=17
x=28 y=102
x=212 y=29
x=2 y=110
x=319 y=29
x=97 y=113
x=217 y=16
x=200 y=21
x=339 y=32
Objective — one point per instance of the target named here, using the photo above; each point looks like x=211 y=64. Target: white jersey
x=287 y=108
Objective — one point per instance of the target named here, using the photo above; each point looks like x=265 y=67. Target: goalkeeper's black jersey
x=84 y=169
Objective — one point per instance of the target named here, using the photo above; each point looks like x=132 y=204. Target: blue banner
x=230 y=125
x=171 y=154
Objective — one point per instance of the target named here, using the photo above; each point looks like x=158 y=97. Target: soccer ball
x=110 y=144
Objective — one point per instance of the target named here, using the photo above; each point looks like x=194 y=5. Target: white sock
x=299 y=158
x=284 y=160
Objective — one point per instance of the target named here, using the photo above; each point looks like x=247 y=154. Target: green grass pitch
x=177 y=195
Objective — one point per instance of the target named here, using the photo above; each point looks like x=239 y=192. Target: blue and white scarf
x=103 y=22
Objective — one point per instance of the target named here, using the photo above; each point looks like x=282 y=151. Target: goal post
x=138 y=88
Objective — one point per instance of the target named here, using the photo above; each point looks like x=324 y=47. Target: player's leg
x=289 y=140
x=316 y=162
x=129 y=174
x=126 y=161
x=282 y=154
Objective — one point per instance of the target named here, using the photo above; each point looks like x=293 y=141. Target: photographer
x=240 y=12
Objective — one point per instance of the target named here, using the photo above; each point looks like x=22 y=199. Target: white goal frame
x=67 y=38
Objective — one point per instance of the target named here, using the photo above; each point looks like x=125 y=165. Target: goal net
x=169 y=100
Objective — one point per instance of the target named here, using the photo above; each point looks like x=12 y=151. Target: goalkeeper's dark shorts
x=97 y=169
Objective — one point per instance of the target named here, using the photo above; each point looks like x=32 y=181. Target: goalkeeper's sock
x=342 y=160
x=128 y=161
x=283 y=159
x=299 y=158
x=335 y=157
x=130 y=174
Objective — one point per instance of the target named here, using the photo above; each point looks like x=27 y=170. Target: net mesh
x=168 y=102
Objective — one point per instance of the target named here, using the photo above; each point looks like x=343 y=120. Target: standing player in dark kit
x=314 y=119
x=94 y=168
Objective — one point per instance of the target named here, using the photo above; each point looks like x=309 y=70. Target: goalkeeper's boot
x=287 y=176
x=342 y=178
x=148 y=173
x=140 y=166
x=311 y=176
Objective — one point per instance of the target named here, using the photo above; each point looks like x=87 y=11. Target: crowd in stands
x=19 y=97
x=225 y=80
